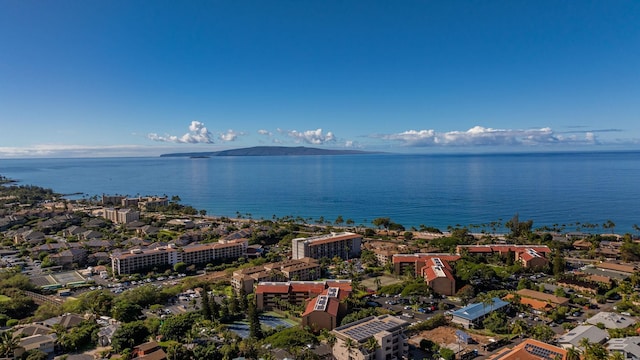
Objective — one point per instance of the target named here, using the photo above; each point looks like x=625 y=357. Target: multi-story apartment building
x=121 y=216
x=129 y=262
x=388 y=332
x=302 y=269
x=530 y=256
x=270 y=295
x=136 y=259
x=433 y=267
x=345 y=245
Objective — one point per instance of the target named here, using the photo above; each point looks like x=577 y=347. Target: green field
x=4 y=298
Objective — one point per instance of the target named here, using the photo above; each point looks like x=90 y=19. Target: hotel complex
x=137 y=259
x=345 y=245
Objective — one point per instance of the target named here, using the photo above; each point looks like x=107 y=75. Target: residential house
x=44 y=343
x=611 y=320
x=628 y=346
x=575 y=336
x=149 y=351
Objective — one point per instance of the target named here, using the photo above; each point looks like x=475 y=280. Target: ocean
x=564 y=190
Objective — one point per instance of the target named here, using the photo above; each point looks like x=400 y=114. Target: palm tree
x=8 y=344
x=573 y=354
x=371 y=344
x=615 y=355
x=349 y=344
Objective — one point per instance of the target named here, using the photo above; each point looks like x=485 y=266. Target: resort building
x=272 y=295
x=531 y=349
x=471 y=316
x=413 y=263
x=345 y=245
x=327 y=309
x=121 y=216
x=437 y=274
x=305 y=269
x=433 y=267
x=136 y=259
x=530 y=256
x=386 y=331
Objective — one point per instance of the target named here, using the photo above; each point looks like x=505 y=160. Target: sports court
x=59 y=280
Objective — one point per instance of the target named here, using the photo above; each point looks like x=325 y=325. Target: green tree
x=125 y=311
x=35 y=354
x=180 y=267
x=255 y=329
x=573 y=354
x=8 y=343
x=128 y=335
x=496 y=322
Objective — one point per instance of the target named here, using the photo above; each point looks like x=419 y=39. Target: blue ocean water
x=434 y=190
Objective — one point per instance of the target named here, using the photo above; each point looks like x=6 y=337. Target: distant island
x=269 y=151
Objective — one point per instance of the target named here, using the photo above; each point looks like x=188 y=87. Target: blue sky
x=123 y=78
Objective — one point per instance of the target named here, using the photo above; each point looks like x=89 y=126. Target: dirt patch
x=446 y=336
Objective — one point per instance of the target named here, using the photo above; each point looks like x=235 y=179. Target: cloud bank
x=481 y=136
x=315 y=137
x=198 y=133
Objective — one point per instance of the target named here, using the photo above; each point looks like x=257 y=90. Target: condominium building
x=433 y=267
x=303 y=270
x=270 y=295
x=137 y=259
x=530 y=256
x=386 y=330
x=121 y=216
x=345 y=245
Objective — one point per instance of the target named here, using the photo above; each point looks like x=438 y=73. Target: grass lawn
x=384 y=281
x=4 y=298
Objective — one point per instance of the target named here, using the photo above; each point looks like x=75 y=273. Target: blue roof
x=475 y=311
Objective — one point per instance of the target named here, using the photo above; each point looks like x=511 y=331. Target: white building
x=386 y=330
x=345 y=245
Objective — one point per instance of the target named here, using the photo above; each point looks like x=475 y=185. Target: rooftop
x=477 y=310
x=365 y=328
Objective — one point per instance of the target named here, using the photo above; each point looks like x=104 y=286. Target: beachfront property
x=345 y=245
x=530 y=256
x=386 y=330
x=305 y=269
x=163 y=256
x=472 y=315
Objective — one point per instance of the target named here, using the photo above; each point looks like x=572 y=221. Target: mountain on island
x=269 y=151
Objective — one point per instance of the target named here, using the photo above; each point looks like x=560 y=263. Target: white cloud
x=481 y=136
x=230 y=135
x=315 y=137
x=198 y=133
x=265 y=132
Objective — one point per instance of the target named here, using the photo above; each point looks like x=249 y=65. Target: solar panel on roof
x=321 y=303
